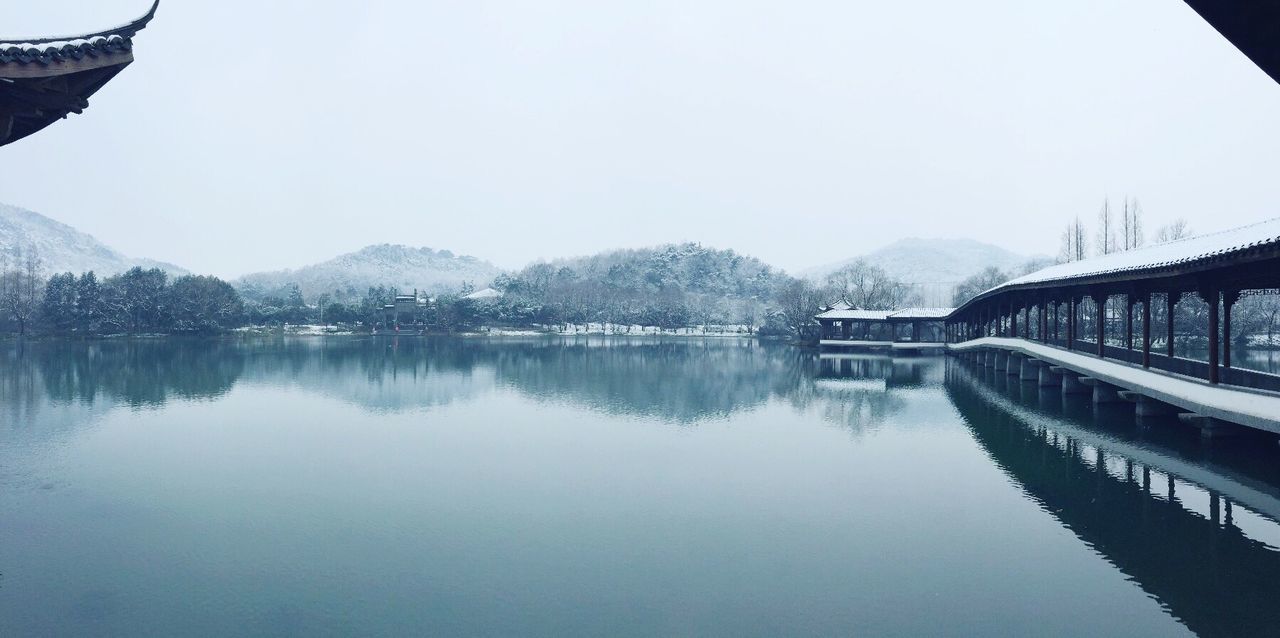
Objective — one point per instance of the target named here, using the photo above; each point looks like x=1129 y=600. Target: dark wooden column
x=1128 y=320
x=1229 y=299
x=1146 y=330
x=1057 y=320
x=1210 y=296
x=1100 y=312
x=1071 y=322
x=1170 y=302
x=1044 y=320
x=1013 y=321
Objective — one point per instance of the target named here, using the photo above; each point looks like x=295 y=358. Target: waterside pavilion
x=906 y=329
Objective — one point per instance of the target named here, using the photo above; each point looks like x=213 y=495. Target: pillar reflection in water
x=1124 y=490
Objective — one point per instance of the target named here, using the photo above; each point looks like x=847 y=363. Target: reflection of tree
x=1206 y=571
x=136 y=373
x=677 y=380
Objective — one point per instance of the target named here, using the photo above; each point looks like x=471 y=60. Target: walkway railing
x=1196 y=369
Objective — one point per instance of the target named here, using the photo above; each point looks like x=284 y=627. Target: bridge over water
x=1106 y=326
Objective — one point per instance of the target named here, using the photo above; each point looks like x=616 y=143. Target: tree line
x=668 y=287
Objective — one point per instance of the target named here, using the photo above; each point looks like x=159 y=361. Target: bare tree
x=1075 y=242
x=22 y=288
x=1106 y=240
x=865 y=286
x=1131 y=225
x=1173 y=231
x=799 y=301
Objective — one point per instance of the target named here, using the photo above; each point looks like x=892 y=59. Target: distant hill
x=934 y=265
x=684 y=268
x=349 y=276
x=63 y=248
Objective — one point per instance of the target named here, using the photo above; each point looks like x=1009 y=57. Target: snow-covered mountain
x=934 y=266
x=349 y=276
x=65 y=249
x=916 y=260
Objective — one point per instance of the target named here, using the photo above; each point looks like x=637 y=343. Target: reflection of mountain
x=681 y=381
x=376 y=374
x=677 y=381
x=1133 y=511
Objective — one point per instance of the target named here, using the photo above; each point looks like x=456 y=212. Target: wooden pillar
x=1057 y=321
x=1044 y=320
x=1170 y=302
x=1100 y=312
x=1128 y=321
x=1013 y=321
x=1071 y=322
x=1146 y=330
x=1211 y=296
x=1229 y=299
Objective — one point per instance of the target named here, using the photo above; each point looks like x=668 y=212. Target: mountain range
x=933 y=265
x=347 y=277
x=933 y=261
x=64 y=249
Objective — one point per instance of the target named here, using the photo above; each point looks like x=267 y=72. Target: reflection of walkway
x=1253 y=409
x=1257 y=495
x=1130 y=504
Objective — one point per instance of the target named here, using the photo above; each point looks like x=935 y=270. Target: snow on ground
x=619 y=329
x=294 y=329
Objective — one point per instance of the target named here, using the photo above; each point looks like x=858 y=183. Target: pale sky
x=260 y=135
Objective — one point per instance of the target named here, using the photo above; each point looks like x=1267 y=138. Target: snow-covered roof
x=487 y=293
x=1181 y=252
x=883 y=315
x=923 y=313
x=52 y=50
x=858 y=315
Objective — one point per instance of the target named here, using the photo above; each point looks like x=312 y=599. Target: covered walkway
x=1255 y=409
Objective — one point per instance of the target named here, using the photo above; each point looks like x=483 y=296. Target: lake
x=605 y=486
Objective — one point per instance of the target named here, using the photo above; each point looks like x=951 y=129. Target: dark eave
x=1253 y=26
x=43 y=80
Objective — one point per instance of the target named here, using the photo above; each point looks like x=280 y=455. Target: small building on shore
x=905 y=329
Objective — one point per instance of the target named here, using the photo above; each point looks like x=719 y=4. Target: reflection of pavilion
x=43 y=80
x=1135 y=506
x=888 y=372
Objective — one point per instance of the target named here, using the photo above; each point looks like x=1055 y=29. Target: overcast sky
x=262 y=135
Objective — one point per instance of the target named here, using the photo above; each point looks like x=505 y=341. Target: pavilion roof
x=858 y=315
x=46 y=51
x=922 y=313
x=43 y=80
x=883 y=315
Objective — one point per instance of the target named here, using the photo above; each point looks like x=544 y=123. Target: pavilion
x=43 y=80
x=909 y=328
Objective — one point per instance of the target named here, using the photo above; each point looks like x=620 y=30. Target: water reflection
x=681 y=381
x=786 y=484
x=1152 y=501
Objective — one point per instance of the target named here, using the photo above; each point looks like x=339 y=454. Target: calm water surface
x=605 y=487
